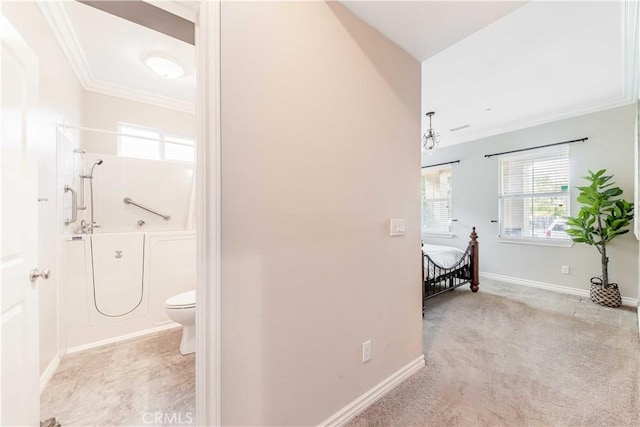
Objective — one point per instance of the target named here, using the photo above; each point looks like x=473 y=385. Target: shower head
x=96 y=163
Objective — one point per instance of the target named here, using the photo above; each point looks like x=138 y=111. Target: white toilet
x=181 y=309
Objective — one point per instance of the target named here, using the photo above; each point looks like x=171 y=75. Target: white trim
x=49 y=372
x=95 y=344
x=558 y=243
x=630 y=41
x=353 y=409
x=56 y=16
x=438 y=235
x=631 y=302
x=638 y=311
x=58 y=20
x=208 y=197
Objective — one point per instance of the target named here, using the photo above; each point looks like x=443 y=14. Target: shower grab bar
x=74 y=205
x=128 y=201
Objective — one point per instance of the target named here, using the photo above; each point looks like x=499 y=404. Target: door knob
x=35 y=274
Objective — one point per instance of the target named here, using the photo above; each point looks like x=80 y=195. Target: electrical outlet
x=564 y=269
x=366 y=351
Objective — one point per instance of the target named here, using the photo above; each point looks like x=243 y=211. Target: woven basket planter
x=609 y=296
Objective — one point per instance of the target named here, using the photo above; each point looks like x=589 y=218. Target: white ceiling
x=543 y=62
x=108 y=55
x=533 y=64
x=528 y=63
x=424 y=28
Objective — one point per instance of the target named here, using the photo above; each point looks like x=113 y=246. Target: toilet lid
x=187 y=299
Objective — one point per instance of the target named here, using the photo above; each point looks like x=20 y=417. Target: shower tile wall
x=166 y=187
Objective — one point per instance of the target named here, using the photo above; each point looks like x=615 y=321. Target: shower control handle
x=36 y=274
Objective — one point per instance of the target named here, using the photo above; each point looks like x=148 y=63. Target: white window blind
x=534 y=195
x=154 y=144
x=436 y=199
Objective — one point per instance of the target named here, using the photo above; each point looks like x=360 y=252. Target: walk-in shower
x=136 y=246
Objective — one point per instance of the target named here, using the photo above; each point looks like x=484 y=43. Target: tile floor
x=140 y=382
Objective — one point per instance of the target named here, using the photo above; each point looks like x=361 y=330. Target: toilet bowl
x=181 y=309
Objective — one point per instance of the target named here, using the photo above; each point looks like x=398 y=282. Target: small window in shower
x=154 y=144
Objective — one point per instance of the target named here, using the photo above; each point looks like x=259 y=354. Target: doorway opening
x=123 y=201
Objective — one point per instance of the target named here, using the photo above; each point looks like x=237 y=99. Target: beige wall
x=475 y=203
x=104 y=112
x=320 y=148
x=60 y=100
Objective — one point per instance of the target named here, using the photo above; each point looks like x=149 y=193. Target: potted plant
x=603 y=216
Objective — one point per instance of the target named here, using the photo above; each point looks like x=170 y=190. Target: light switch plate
x=398 y=227
x=366 y=351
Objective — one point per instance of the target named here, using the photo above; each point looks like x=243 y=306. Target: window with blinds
x=436 y=199
x=534 y=195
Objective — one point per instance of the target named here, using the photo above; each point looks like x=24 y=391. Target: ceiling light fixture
x=164 y=66
x=431 y=138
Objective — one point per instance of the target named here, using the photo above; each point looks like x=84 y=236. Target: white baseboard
x=137 y=334
x=49 y=372
x=631 y=302
x=356 y=407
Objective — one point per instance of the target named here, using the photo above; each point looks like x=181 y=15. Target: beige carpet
x=517 y=356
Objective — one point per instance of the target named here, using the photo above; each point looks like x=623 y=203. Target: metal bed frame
x=437 y=279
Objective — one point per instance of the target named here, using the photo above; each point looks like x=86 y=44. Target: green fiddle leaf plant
x=603 y=216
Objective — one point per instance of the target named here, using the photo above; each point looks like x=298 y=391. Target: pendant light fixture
x=431 y=138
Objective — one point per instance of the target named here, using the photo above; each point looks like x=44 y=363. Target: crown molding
x=595 y=107
x=58 y=20
x=139 y=96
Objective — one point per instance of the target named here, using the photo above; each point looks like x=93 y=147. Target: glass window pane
x=541 y=217
x=516 y=217
x=436 y=199
x=147 y=133
x=436 y=216
x=178 y=140
x=535 y=194
x=182 y=153
x=158 y=146
x=548 y=217
x=139 y=148
x=536 y=173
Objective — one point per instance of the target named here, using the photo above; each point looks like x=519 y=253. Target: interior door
x=19 y=376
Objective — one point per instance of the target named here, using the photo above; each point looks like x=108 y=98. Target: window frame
x=162 y=141
x=536 y=241
x=435 y=233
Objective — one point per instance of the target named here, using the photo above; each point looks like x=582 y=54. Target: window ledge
x=440 y=235
x=558 y=243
